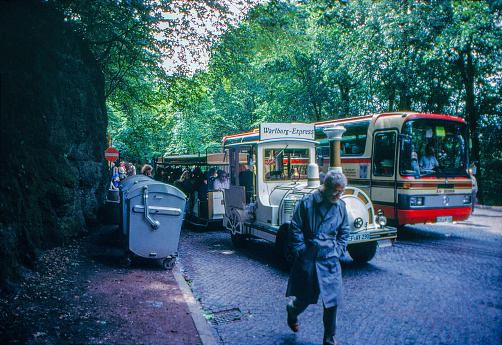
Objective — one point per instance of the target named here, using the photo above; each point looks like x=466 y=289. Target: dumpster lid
x=153 y=187
x=131 y=180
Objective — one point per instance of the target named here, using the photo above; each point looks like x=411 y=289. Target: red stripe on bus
x=356 y=160
x=431 y=215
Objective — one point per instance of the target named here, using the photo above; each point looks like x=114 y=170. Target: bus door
x=383 y=176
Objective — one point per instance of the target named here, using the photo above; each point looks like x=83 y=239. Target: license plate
x=359 y=237
x=444 y=219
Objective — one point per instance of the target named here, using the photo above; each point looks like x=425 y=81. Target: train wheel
x=284 y=251
x=238 y=240
x=235 y=224
x=362 y=252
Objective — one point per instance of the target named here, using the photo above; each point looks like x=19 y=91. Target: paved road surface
x=439 y=284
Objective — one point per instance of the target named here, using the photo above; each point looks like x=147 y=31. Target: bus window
x=409 y=157
x=448 y=138
x=384 y=148
x=354 y=138
x=280 y=163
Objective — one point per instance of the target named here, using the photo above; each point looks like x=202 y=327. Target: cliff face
x=53 y=176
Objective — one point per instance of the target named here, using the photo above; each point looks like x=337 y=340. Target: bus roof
x=253 y=137
x=403 y=114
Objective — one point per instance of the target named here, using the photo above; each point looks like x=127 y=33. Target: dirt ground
x=79 y=294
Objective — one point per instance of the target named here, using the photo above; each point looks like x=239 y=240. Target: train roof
x=397 y=118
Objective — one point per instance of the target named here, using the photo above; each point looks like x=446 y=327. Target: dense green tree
x=131 y=40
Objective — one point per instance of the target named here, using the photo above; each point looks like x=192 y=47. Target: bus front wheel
x=362 y=252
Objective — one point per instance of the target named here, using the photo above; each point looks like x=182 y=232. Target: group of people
x=124 y=170
x=194 y=180
x=120 y=172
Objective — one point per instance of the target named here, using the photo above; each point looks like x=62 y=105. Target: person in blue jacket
x=115 y=178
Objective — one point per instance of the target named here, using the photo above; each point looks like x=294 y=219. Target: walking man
x=318 y=236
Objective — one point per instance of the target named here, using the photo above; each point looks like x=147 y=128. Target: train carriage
x=280 y=169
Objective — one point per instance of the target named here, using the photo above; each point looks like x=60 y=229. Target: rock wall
x=53 y=175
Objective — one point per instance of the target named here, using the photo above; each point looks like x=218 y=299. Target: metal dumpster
x=154 y=215
x=124 y=186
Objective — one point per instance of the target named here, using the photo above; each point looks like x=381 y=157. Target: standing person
x=147 y=170
x=222 y=182
x=131 y=169
x=318 y=237
x=115 y=179
x=122 y=171
x=474 y=189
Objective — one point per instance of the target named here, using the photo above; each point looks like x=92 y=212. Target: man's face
x=332 y=194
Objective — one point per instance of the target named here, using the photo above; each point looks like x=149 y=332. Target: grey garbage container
x=124 y=186
x=154 y=216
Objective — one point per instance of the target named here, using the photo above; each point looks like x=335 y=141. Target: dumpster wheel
x=126 y=260
x=168 y=263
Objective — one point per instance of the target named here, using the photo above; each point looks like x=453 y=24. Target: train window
x=281 y=163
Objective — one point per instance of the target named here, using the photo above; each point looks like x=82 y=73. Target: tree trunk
x=344 y=96
x=392 y=99
x=404 y=99
x=466 y=67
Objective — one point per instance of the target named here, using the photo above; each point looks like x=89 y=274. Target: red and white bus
x=382 y=154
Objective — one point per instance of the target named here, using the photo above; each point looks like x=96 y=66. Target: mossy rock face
x=54 y=176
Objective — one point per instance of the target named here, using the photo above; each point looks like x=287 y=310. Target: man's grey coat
x=318 y=235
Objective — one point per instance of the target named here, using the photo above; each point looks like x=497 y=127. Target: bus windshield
x=433 y=147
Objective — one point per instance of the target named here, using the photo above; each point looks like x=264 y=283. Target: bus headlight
x=467 y=199
x=381 y=219
x=417 y=201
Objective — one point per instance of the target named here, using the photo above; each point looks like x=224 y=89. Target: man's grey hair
x=335 y=178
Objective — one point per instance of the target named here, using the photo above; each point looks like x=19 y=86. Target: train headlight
x=358 y=223
x=381 y=219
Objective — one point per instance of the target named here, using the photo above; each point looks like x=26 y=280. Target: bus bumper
x=433 y=215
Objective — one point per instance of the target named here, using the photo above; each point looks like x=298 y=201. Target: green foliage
x=326 y=59
x=131 y=40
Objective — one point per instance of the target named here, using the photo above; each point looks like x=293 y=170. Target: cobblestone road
x=439 y=284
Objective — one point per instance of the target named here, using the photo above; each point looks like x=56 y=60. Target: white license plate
x=444 y=219
x=359 y=237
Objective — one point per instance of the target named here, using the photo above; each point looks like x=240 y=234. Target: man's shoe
x=292 y=323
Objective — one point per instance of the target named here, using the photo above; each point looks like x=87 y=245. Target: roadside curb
x=206 y=336
x=493 y=208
